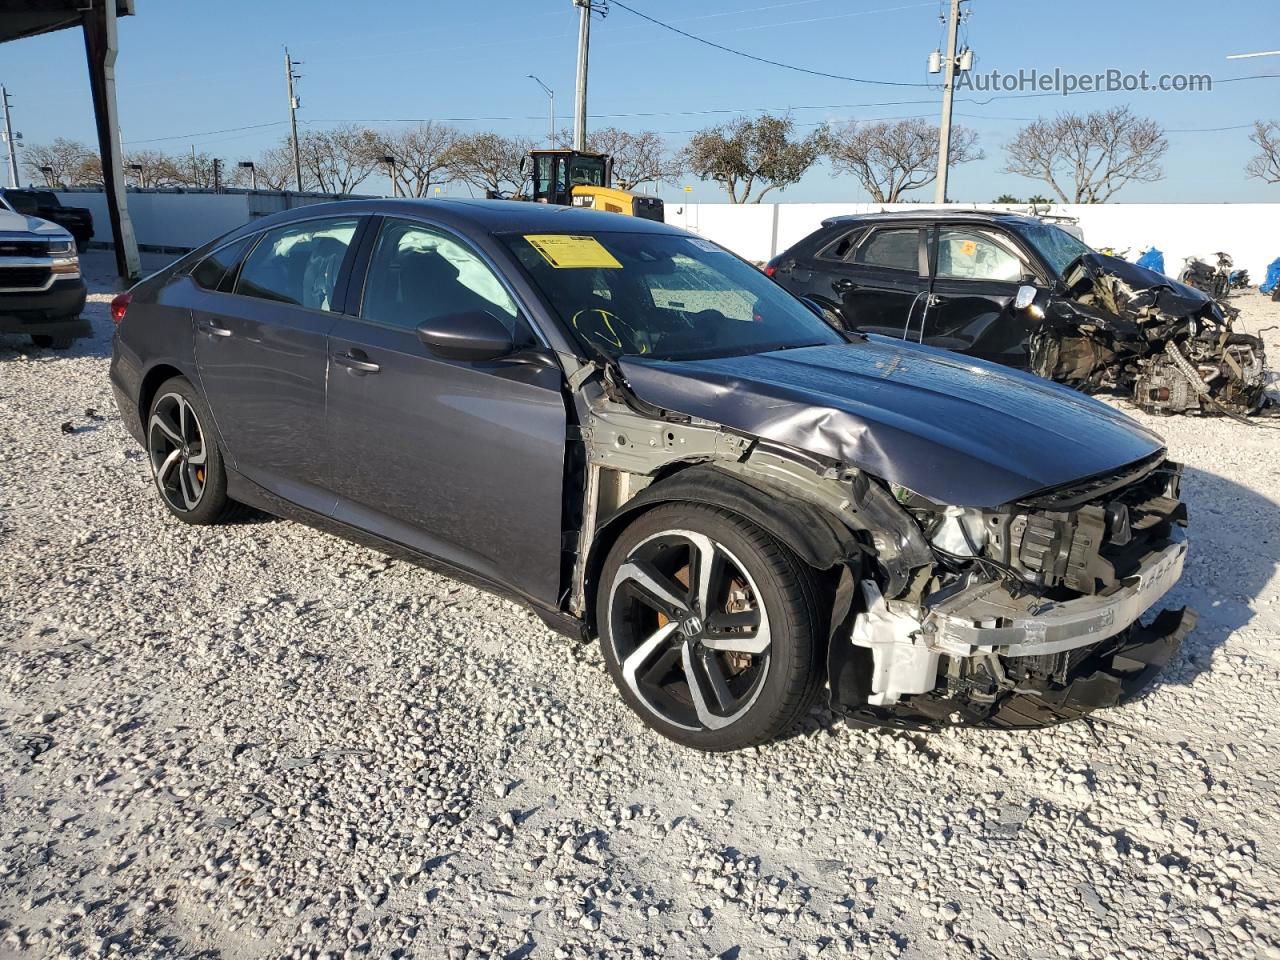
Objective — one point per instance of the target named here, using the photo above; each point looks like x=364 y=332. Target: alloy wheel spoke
x=167 y=466
x=755 y=642
x=198 y=458
x=656 y=589
x=187 y=486
x=707 y=567
x=157 y=422
x=645 y=653
x=696 y=672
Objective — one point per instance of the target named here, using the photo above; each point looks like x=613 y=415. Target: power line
x=210 y=133
x=772 y=63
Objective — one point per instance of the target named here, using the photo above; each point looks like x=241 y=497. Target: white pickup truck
x=41 y=290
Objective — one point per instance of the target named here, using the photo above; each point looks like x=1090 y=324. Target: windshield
x=662 y=296
x=586 y=172
x=1058 y=247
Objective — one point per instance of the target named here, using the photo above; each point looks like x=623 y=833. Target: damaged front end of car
x=1171 y=348
x=1022 y=611
x=1030 y=615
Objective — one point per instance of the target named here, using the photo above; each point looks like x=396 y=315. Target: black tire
x=767 y=692
x=53 y=341
x=194 y=487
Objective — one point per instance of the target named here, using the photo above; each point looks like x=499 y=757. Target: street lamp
x=552 y=94
x=390 y=161
x=253 y=172
x=48 y=175
x=137 y=174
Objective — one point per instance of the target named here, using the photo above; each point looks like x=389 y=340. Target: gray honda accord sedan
x=642 y=438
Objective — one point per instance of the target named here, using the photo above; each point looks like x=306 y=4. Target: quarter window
x=970 y=255
x=417 y=274
x=893 y=249
x=217 y=270
x=298 y=264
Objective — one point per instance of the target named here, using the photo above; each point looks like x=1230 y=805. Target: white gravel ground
x=260 y=741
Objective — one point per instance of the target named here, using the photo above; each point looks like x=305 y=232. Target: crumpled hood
x=11 y=222
x=1139 y=289
x=957 y=430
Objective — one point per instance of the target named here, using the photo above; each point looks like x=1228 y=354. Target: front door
x=262 y=356
x=976 y=277
x=880 y=283
x=462 y=460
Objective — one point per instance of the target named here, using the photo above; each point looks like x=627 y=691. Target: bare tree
x=638 y=158
x=1088 y=158
x=745 y=154
x=341 y=159
x=423 y=155
x=492 y=163
x=150 y=169
x=890 y=158
x=1266 y=165
x=62 y=163
x=194 y=171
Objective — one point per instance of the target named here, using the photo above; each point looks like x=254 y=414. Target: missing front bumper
x=1107 y=674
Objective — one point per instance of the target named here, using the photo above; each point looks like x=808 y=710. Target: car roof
x=486 y=216
x=959 y=216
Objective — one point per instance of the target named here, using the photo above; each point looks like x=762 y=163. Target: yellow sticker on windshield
x=563 y=251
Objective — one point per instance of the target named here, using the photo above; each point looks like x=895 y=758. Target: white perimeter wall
x=1250 y=232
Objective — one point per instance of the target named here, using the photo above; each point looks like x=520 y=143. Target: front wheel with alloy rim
x=186 y=463
x=709 y=627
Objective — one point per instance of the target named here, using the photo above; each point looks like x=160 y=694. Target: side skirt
x=243 y=490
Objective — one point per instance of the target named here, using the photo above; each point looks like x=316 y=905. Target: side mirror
x=472 y=335
x=1026 y=296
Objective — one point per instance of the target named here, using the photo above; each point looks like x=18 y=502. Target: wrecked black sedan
x=637 y=435
x=1026 y=293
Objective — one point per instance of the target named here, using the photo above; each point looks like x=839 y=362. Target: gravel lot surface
x=260 y=741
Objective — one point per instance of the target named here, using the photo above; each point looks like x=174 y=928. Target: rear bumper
x=56 y=310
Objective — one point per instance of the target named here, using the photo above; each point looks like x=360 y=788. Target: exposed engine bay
x=1171 y=348
x=1031 y=615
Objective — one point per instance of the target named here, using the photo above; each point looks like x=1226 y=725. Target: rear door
x=977 y=272
x=880 y=280
x=262 y=354
x=462 y=460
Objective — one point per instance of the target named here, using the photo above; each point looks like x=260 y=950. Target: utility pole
x=580 y=92
x=948 y=95
x=290 y=76
x=551 y=142
x=9 y=141
x=217 y=178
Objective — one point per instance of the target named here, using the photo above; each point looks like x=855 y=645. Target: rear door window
x=217 y=270
x=299 y=264
x=897 y=249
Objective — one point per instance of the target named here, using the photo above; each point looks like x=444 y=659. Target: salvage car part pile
x=1171 y=348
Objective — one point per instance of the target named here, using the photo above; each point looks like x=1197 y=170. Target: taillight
x=119 y=305
x=770 y=269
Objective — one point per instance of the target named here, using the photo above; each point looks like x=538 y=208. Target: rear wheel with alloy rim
x=709 y=627
x=185 y=460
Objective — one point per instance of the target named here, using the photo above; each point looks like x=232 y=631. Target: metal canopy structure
x=20 y=19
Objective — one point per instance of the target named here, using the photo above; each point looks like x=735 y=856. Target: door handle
x=843 y=285
x=213 y=330
x=357 y=364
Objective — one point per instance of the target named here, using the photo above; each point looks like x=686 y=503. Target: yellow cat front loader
x=574 y=178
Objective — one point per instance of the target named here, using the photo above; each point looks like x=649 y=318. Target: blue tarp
x=1153 y=259
x=1273 y=277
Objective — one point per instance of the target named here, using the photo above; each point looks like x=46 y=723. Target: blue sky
x=186 y=69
